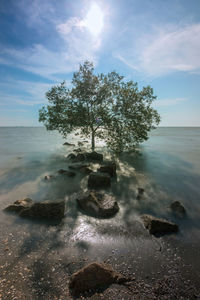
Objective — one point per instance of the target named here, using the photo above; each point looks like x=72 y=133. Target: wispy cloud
x=166 y=50
x=169 y=102
x=23 y=92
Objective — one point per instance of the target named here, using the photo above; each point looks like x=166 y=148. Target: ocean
x=167 y=168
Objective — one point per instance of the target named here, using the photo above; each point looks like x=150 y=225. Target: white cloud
x=165 y=51
x=67 y=27
x=169 y=102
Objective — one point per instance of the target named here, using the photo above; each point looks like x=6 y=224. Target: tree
x=101 y=106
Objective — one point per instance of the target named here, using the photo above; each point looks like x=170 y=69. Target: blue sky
x=152 y=42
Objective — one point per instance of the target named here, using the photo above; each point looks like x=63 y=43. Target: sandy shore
x=37 y=260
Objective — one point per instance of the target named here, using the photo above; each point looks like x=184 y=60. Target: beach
x=39 y=257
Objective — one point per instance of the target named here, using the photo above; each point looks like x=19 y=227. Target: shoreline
x=37 y=259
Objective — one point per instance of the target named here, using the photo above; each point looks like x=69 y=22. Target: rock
x=79 y=157
x=178 y=208
x=94 y=156
x=19 y=205
x=45 y=209
x=77 y=150
x=93 y=276
x=66 y=172
x=140 y=193
x=68 y=144
x=78 y=166
x=98 y=204
x=85 y=170
x=99 y=180
x=80 y=144
x=109 y=167
x=49 y=177
x=157 y=225
x=71 y=156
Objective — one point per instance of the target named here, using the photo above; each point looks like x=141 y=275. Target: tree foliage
x=102 y=106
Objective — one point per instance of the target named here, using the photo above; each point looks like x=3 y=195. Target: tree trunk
x=93 y=141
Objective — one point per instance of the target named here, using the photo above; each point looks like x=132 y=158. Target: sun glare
x=94 y=20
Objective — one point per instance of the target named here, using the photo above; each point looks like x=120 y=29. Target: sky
x=157 y=43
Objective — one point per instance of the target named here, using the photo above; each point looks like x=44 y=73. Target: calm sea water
x=169 y=162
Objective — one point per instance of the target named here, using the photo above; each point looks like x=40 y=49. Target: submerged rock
x=66 y=172
x=178 y=208
x=140 y=193
x=108 y=167
x=99 y=180
x=49 y=177
x=93 y=276
x=157 y=225
x=71 y=156
x=98 y=204
x=78 y=166
x=80 y=144
x=68 y=144
x=19 y=205
x=45 y=209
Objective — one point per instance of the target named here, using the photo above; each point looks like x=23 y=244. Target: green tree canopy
x=103 y=106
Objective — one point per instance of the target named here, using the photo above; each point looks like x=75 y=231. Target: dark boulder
x=71 y=156
x=19 y=205
x=94 y=156
x=78 y=166
x=157 y=225
x=80 y=144
x=78 y=150
x=108 y=167
x=45 y=209
x=178 y=208
x=97 y=204
x=93 y=276
x=99 y=180
x=85 y=170
x=68 y=144
x=140 y=193
x=80 y=157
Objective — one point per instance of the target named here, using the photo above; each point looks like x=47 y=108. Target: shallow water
x=168 y=169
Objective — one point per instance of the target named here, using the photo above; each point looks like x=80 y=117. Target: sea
x=167 y=168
